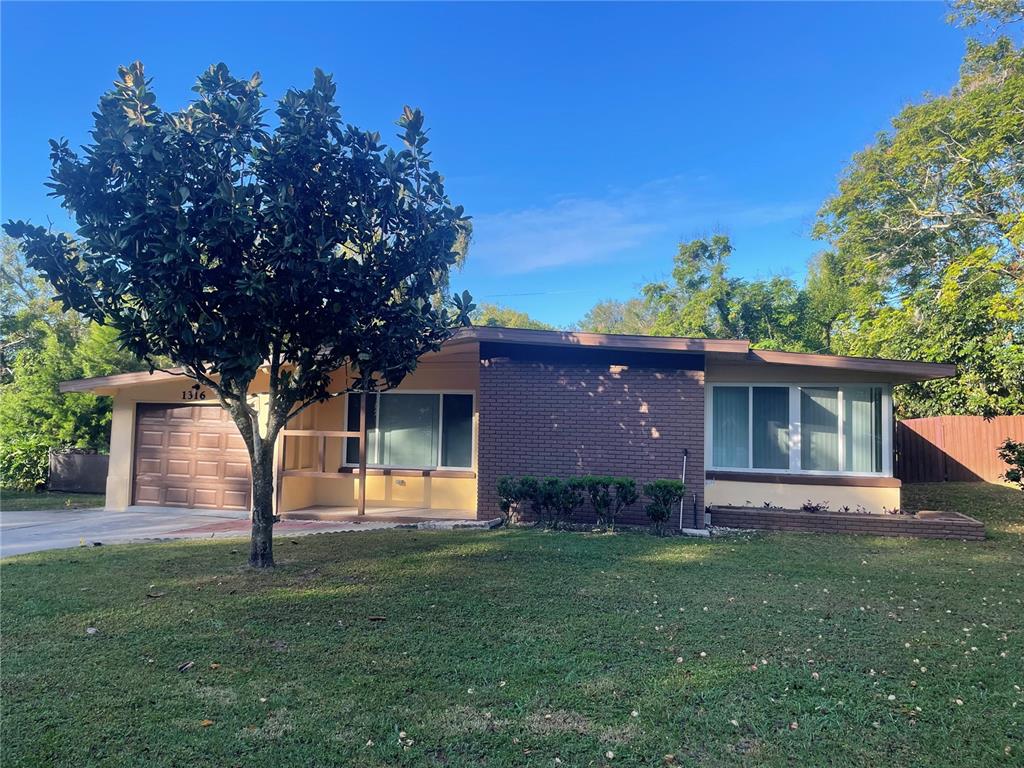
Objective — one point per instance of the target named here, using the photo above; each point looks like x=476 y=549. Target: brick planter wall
x=578 y=412
x=925 y=525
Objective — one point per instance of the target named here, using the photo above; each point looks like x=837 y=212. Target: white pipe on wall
x=685 y=453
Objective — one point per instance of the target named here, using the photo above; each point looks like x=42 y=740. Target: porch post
x=362 y=453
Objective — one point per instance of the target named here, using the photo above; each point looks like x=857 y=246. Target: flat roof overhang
x=107 y=385
x=531 y=337
x=733 y=352
x=893 y=371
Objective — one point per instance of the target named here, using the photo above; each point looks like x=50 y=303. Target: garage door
x=189 y=456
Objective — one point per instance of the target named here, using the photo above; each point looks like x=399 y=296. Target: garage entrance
x=189 y=456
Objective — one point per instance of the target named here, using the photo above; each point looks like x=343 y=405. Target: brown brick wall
x=577 y=414
x=945 y=527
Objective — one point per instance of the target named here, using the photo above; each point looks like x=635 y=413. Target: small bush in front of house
x=543 y=497
x=624 y=494
x=509 y=498
x=598 y=491
x=552 y=502
x=530 y=492
x=566 y=499
x=665 y=496
x=814 y=506
x=550 y=489
x=1012 y=453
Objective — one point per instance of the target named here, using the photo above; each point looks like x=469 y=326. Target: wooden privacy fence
x=953 y=447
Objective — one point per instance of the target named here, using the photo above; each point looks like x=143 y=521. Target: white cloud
x=587 y=230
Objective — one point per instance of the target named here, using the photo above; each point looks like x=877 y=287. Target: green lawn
x=19 y=501
x=513 y=648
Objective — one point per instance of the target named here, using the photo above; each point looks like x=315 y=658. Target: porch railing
x=320 y=470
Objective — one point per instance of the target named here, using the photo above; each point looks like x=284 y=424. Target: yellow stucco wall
x=455 y=369
x=792 y=496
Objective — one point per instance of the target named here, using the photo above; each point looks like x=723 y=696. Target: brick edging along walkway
x=925 y=525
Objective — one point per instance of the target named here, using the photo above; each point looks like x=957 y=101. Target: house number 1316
x=191 y=394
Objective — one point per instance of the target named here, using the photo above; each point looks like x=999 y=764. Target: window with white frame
x=797 y=428
x=413 y=430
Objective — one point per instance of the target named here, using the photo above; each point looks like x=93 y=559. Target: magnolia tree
x=233 y=249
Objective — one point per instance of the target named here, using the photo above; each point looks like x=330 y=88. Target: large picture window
x=794 y=428
x=413 y=430
x=750 y=427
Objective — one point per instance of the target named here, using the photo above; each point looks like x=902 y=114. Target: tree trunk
x=261 y=546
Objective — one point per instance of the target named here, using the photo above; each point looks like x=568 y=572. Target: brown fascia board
x=118 y=380
x=726 y=350
x=902 y=370
x=533 y=337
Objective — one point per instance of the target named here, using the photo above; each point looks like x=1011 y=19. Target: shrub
x=509 y=498
x=24 y=463
x=551 y=490
x=665 y=496
x=567 y=498
x=814 y=506
x=625 y=496
x=598 y=490
x=553 y=501
x=1012 y=453
x=530 y=492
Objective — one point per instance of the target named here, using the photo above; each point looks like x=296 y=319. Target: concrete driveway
x=38 y=530
x=34 y=531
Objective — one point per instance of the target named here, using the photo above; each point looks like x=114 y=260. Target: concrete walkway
x=35 y=531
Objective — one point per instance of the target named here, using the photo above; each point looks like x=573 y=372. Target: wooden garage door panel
x=237 y=470
x=152 y=437
x=205 y=497
x=177 y=495
x=209 y=440
x=236 y=499
x=148 y=466
x=207 y=468
x=178 y=467
x=179 y=439
x=190 y=456
x=147 y=494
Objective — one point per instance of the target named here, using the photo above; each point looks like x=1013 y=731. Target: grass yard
x=514 y=648
x=21 y=501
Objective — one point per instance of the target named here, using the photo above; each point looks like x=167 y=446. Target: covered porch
x=405 y=455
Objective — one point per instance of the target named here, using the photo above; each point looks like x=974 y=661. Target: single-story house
x=751 y=427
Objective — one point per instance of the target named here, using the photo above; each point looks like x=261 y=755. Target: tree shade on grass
x=511 y=648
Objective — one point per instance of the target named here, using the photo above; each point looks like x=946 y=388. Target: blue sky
x=586 y=140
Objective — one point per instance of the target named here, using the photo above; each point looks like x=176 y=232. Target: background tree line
x=924 y=249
